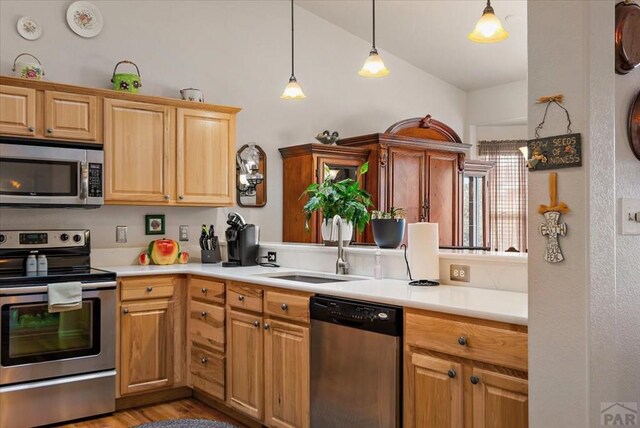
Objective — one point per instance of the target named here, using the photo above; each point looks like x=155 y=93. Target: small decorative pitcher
x=28 y=69
x=192 y=94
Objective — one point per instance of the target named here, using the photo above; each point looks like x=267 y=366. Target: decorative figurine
x=552 y=228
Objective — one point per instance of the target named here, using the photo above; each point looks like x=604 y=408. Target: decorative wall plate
x=627 y=37
x=634 y=127
x=29 y=28
x=84 y=19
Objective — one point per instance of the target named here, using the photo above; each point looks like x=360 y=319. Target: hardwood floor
x=187 y=408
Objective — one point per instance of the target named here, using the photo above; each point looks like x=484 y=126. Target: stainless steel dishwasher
x=356 y=373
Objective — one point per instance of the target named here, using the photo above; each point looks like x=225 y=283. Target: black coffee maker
x=243 y=241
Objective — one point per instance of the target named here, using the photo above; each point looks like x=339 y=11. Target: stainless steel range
x=54 y=366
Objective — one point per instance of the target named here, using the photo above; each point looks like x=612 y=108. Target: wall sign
x=559 y=151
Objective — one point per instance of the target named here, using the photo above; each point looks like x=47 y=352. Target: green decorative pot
x=126 y=82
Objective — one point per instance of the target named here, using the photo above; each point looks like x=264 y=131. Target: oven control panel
x=22 y=239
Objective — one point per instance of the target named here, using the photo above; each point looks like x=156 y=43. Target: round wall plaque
x=627 y=37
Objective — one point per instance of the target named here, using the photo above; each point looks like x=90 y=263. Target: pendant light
x=292 y=91
x=374 y=66
x=488 y=28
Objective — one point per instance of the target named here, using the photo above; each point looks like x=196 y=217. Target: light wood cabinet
x=70 y=116
x=268 y=356
x=137 y=152
x=205 y=157
x=245 y=388
x=462 y=372
x=146 y=359
x=286 y=374
x=17 y=111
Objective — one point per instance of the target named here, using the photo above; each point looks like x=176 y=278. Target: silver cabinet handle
x=204 y=290
x=267 y=326
x=203 y=314
x=204 y=360
x=166 y=197
x=49 y=131
x=31 y=129
x=462 y=340
x=284 y=307
x=125 y=310
x=241 y=298
x=256 y=324
x=84 y=180
x=149 y=289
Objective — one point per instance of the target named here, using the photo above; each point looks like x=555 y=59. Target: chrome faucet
x=342 y=265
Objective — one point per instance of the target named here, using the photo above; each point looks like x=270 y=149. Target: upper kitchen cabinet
x=70 y=116
x=138 y=154
x=416 y=164
x=17 y=111
x=205 y=157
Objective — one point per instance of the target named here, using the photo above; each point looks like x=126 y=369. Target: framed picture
x=154 y=224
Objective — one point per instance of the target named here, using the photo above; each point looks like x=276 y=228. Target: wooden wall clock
x=627 y=36
x=634 y=127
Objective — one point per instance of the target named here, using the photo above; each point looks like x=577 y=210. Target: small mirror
x=251 y=176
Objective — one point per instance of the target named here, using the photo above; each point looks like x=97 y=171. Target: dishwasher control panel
x=356 y=314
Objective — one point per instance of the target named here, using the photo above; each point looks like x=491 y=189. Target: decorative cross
x=552 y=226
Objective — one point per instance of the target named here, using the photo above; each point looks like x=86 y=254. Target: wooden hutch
x=416 y=164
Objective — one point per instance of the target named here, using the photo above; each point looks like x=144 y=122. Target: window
x=507 y=194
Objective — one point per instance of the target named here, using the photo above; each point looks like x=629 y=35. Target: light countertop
x=498 y=305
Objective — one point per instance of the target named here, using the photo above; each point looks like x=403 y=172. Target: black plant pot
x=388 y=232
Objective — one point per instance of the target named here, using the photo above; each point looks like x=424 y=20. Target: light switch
x=630 y=216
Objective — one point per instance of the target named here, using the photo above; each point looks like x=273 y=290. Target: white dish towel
x=64 y=296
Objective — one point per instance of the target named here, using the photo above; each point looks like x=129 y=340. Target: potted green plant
x=343 y=198
x=388 y=227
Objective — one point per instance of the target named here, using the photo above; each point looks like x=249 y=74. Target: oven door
x=36 y=344
x=50 y=176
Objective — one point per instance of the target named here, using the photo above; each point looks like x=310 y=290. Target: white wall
x=583 y=312
x=238 y=53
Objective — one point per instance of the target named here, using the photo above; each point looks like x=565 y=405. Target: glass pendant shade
x=293 y=90
x=488 y=28
x=373 y=66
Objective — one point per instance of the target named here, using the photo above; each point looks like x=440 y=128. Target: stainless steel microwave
x=47 y=176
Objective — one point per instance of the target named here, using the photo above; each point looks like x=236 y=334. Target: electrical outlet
x=460 y=273
x=121 y=234
x=184 y=233
x=272 y=256
x=630 y=216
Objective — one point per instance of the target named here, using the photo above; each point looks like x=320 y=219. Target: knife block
x=211 y=256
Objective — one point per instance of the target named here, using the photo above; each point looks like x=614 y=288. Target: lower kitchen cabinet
x=207 y=371
x=146 y=357
x=461 y=372
x=245 y=363
x=286 y=374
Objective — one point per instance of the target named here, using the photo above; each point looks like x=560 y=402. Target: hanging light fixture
x=292 y=91
x=374 y=66
x=488 y=28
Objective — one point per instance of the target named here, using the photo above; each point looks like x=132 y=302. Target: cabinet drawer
x=286 y=305
x=207 y=371
x=206 y=290
x=488 y=344
x=244 y=297
x=206 y=324
x=143 y=288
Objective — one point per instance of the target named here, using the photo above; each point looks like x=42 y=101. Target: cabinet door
x=70 y=116
x=443 y=196
x=205 y=157
x=407 y=182
x=245 y=363
x=137 y=150
x=432 y=393
x=146 y=352
x=286 y=375
x=17 y=111
x=499 y=401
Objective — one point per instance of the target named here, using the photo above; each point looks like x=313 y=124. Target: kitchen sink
x=310 y=278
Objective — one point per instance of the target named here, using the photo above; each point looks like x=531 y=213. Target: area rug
x=187 y=423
